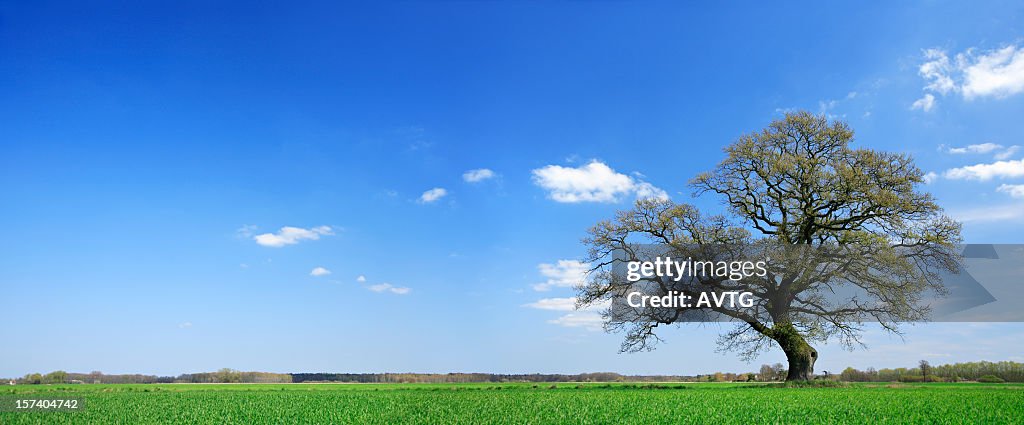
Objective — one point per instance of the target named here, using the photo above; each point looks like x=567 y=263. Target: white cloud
x=1006 y=154
x=478 y=175
x=361 y=279
x=563 y=274
x=979 y=148
x=936 y=70
x=925 y=103
x=995 y=73
x=556 y=304
x=433 y=195
x=1014 y=190
x=594 y=182
x=1000 y=152
x=292 y=235
x=930 y=177
x=646 y=190
x=387 y=287
x=998 y=73
x=984 y=172
x=319 y=271
x=565 y=304
x=588 y=320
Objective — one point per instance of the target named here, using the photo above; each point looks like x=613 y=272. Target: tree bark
x=799 y=353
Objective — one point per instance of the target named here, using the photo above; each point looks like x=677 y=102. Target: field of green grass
x=524 y=403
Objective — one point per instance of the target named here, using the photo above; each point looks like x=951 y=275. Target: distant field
x=525 y=403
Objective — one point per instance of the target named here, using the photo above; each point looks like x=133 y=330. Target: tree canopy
x=825 y=214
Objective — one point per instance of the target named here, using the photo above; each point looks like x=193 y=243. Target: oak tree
x=826 y=212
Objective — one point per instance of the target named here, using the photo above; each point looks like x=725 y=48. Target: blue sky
x=151 y=159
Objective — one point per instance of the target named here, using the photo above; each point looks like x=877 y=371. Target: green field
x=525 y=403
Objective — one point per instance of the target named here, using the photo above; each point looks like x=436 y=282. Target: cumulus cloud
x=998 y=73
x=477 y=175
x=433 y=195
x=1014 y=190
x=593 y=182
x=985 y=172
x=563 y=274
x=292 y=235
x=319 y=271
x=360 y=278
x=995 y=73
x=387 y=287
x=930 y=177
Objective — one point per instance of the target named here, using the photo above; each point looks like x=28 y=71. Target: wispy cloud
x=594 y=182
x=585 y=319
x=1009 y=152
x=925 y=103
x=826 y=107
x=588 y=317
x=937 y=70
x=562 y=274
x=319 y=271
x=565 y=304
x=387 y=287
x=1014 y=190
x=433 y=195
x=1001 y=213
x=292 y=235
x=477 y=175
x=978 y=148
x=556 y=304
x=1000 y=152
x=246 y=231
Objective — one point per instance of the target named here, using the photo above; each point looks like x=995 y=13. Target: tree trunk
x=799 y=353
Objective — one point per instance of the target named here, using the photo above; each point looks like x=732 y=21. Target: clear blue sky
x=145 y=148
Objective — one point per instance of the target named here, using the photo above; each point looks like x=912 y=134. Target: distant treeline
x=437 y=378
x=96 y=377
x=971 y=371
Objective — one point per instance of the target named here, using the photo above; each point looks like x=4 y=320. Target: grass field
x=525 y=403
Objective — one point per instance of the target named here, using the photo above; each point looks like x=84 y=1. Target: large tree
x=826 y=213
